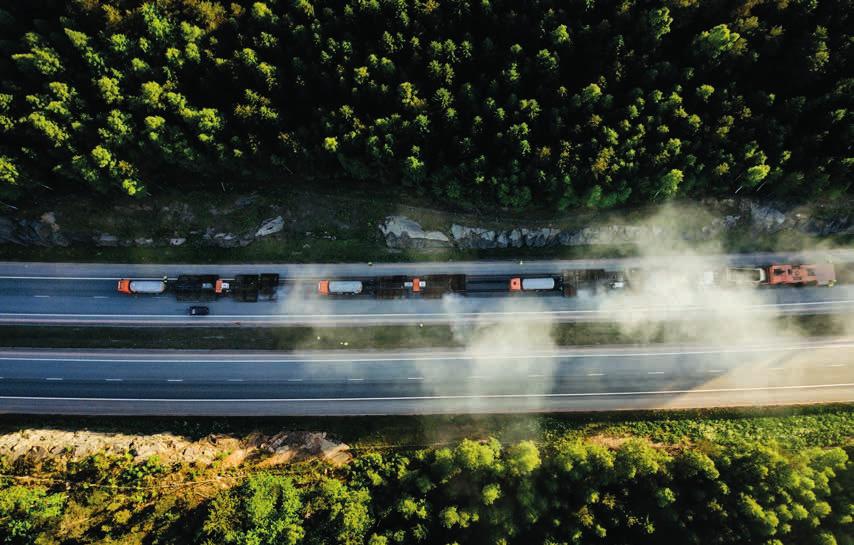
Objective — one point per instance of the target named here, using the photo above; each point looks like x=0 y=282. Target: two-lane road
x=80 y=294
x=420 y=382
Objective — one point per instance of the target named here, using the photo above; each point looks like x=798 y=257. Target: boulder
x=539 y=238
x=177 y=241
x=402 y=232
x=270 y=226
x=766 y=218
x=49 y=218
x=610 y=234
x=516 y=238
x=105 y=239
x=226 y=240
x=473 y=237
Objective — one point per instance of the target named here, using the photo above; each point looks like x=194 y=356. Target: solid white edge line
x=427 y=398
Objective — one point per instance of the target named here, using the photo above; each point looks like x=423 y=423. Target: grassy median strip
x=373 y=337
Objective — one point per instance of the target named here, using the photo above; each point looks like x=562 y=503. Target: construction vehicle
x=246 y=288
x=205 y=287
x=822 y=274
x=433 y=286
x=391 y=287
x=151 y=287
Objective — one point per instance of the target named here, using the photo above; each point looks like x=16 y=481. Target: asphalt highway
x=51 y=293
x=424 y=382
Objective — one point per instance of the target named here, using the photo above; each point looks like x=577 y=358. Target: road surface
x=57 y=293
x=421 y=382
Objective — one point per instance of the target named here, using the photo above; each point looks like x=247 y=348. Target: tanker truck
x=126 y=285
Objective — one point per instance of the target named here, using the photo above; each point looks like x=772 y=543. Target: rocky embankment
x=704 y=224
x=223 y=227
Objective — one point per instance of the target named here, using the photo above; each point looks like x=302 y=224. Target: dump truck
x=129 y=286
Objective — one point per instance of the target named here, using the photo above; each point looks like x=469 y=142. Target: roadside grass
x=343 y=227
x=794 y=427
x=315 y=250
x=374 y=337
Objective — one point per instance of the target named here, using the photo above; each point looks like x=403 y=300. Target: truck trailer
x=128 y=286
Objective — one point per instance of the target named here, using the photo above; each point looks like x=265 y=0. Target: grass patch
x=363 y=250
x=795 y=427
x=309 y=251
x=378 y=337
x=388 y=337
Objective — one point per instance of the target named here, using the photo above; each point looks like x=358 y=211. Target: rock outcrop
x=402 y=232
x=407 y=233
x=27 y=232
x=270 y=226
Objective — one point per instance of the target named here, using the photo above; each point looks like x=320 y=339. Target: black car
x=199 y=311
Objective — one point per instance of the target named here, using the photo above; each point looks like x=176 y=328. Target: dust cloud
x=674 y=300
x=683 y=300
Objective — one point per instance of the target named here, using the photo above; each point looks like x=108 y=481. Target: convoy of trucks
x=254 y=287
x=205 y=287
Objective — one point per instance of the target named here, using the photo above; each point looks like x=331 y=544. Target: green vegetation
x=553 y=105
x=770 y=476
x=388 y=337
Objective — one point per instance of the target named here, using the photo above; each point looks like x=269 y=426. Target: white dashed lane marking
x=53 y=378
x=174 y=380
x=655 y=373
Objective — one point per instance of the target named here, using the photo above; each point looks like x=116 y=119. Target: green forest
x=569 y=491
x=544 y=103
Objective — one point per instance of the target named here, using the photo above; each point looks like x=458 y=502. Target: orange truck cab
x=323 y=287
x=124 y=285
x=822 y=274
